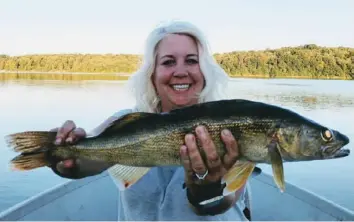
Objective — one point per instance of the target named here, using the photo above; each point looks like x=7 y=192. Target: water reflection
x=307 y=94
x=52 y=84
x=46 y=104
x=311 y=102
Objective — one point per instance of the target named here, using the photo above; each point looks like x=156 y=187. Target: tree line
x=307 y=61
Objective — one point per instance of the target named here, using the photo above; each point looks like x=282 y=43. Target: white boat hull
x=82 y=200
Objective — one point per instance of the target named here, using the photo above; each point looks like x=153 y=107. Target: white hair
x=141 y=84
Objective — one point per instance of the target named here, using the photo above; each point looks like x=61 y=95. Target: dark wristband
x=199 y=193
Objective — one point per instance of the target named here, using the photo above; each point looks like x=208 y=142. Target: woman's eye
x=168 y=62
x=192 y=61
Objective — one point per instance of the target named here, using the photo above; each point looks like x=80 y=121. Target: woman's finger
x=65 y=164
x=196 y=160
x=212 y=157
x=231 y=147
x=75 y=135
x=186 y=161
x=63 y=131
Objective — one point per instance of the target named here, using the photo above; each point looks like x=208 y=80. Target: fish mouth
x=329 y=153
x=341 y=153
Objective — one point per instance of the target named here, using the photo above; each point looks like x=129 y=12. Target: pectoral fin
x=237 y=176
x=126 y=176
x=277 y=165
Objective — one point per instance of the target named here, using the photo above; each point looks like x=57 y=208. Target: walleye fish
x=137 y=141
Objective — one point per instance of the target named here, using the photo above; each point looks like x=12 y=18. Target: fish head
x=323 y=143
x=312 y=141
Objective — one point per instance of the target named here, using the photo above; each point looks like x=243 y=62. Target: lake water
x=42 y=105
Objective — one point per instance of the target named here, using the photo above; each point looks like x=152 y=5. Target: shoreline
x=64 y=75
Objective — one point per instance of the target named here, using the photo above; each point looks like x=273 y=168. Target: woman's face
x=177 y=77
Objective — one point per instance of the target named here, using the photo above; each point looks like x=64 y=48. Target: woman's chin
x=184 y=102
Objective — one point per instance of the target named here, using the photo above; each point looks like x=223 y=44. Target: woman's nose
x=181 y=70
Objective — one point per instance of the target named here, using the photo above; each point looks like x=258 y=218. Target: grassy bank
x=112 y=76
x=302 y=62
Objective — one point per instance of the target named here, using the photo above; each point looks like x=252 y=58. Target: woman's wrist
x=211 y=197
x=218 y=206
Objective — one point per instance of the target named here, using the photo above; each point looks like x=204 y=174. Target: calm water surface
x=42 y=105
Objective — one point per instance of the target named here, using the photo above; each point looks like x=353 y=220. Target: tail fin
x=29 y=161
x=30 y=141
x=33 y=146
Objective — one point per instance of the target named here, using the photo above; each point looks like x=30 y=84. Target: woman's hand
x=76 y=168
x=67 y=134
x=216 y=168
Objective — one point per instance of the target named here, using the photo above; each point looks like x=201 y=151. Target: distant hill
x=307 y=61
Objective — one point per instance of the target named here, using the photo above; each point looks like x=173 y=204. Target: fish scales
x=141 y=151
x=137 y=141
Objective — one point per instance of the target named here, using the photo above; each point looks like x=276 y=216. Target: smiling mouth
x=181 y=87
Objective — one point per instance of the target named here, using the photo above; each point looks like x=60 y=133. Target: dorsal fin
x=124 y=120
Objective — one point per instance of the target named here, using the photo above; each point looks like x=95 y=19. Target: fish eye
x=327 y=135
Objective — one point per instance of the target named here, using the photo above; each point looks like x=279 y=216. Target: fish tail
x=33 y=146
x=30 y=141
x=29 y=161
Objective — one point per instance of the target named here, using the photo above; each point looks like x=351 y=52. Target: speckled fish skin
x=136 y=142
x=155 y=139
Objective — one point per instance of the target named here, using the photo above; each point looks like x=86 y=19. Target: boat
x=74 y=200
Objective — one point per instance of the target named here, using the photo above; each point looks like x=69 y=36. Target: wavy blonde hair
x=141 y=84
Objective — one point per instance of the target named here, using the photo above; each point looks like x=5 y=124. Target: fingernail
x=226 y=133
x=200 y=129
x=190 y=138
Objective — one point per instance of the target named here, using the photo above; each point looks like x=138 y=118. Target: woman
x=178 y=70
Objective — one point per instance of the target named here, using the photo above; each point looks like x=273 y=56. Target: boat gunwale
x=314 y=200
x=35 y=202
x=23 y=208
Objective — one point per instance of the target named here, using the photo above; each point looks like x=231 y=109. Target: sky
x=121 y=26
